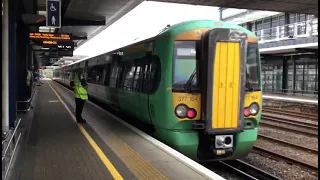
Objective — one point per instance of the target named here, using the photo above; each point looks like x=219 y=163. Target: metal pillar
x=5 y=66
x=12 y=63
x=294 y=74
x=249 y=26
x=220 y=13
x=285 y=74
x=23 y=64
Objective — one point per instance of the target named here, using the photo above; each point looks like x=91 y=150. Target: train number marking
x=182 y=99
x=186 y=98
x=194 y=98
x=254 y=97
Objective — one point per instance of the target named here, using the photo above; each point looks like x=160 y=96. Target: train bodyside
x=154 y=97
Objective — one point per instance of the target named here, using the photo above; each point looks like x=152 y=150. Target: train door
x=222 y=79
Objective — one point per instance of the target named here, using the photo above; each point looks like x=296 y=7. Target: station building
x=289 y=48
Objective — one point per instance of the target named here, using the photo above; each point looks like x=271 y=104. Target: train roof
x=173 y=31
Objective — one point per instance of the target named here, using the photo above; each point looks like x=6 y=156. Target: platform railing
x=27 y=102
x=289 y=31
x=292 y=92
x=10 y=140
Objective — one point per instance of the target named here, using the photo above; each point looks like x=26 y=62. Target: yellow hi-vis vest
x=29 y=78
x=79 y=90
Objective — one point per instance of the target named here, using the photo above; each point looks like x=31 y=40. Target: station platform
x=291 y=98
x=103 y=148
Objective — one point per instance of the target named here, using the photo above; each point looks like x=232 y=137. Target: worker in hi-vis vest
x=80 y=93
x=29 y=77
x=29 y=82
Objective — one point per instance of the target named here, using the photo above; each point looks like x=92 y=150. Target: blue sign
x=54 y=13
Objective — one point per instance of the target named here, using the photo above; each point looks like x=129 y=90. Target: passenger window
x=119 y=75
x=151 y=75
x=136 y=78
x=113 y=77
x=89 y=74
x=107 y=71
x=95 y=74
x=129 y=73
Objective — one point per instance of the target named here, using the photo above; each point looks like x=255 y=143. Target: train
x=196 y=83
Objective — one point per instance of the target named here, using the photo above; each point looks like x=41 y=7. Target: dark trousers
x=79 y=108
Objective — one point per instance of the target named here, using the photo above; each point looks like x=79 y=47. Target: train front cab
x=230 y=93
x=226 y=112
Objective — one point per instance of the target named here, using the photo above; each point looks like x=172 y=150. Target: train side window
x=137 y=75
x=95 y=74
x=142 y=64
x=128 y=76
x=89 y=74
x=152 y=75
x=124 y=72
x=100 y=77
x=119 y=76
x=107 y=74
x=113 y=76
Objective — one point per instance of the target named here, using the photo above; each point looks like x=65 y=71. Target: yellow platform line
x=115 y=174
x=140 y=167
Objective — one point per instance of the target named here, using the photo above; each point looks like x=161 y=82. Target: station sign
x=53 y=13
x=49 y=36
x=68 y=47
x=49 y=42
x=58 y=53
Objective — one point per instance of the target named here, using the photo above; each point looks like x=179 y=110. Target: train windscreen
x=253 y=66
x=184 y=63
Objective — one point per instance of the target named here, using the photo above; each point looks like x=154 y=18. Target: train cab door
x=222 y=78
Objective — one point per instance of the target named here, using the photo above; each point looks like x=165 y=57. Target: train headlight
x=181 y=111
x=254 y=108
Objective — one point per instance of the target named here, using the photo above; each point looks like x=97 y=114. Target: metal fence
x=292 y=92
x=10 y=140
x=26 y=104
x=289 y=31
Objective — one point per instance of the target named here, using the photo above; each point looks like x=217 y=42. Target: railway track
x=313 y=151
x=291 y=122
x=243 y=170
x=289 y=125
x=301 y=115
x=276 y=156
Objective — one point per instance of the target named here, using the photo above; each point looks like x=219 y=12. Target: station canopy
x=84 y=19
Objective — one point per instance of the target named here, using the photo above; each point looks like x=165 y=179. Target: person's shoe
x=82 y=121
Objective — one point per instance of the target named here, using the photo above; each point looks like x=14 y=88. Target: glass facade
x=306 y=76
x=272 y=77
x=269 y=24
x=297 y=75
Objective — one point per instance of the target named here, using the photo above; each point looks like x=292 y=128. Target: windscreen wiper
x=249 y=86
x=188 y=84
